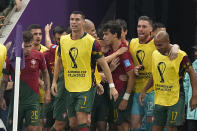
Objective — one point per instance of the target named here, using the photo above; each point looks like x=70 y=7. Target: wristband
x=111 y=85
x=126 y=96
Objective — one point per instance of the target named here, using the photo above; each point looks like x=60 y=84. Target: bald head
x=162 y=42
x=90 y=28
x=162 y=36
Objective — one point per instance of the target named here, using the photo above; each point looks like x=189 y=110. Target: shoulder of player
x=155 y=52
x=181 y=52
x=133 y=41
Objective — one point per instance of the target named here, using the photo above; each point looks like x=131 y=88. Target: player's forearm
x=193 y=81
x=131 y=82
x=57 y=69
x=111 y=57
x=46 y=79
x=4 y=83
x=47 y=39
x=105 y=69
x=149 y=84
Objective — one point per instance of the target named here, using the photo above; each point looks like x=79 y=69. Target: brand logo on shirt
x=33 y=63
x=140 y=57
x=73 y=52
x=161 y=68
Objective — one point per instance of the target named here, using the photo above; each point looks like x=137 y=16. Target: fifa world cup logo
x=161 y=68
x=73 y=52
x=140 y=57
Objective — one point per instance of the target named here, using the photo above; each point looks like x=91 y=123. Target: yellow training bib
x=166 y=78
x=3 y=53
x=142 y=55
x=76 y=60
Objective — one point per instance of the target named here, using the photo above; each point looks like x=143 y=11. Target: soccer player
x=90 y=28
x=79 y=53
x=3 y=54
x=157 y=27
x=99 y=110
x=56 y=109
x=58 y=31
x=29 y=107
x=167 y=80
x=141 y=50
x=120 y=110
x=124 y=32
x=36 y=31
x=191 y=116
x=2 y=58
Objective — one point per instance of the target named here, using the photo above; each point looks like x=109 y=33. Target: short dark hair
x=146 y=18
x=27 y=36
x=79 y=12
x=113 y=27
x=157 y=25
x=122 y=23
x=34 y=26
x=58 y=30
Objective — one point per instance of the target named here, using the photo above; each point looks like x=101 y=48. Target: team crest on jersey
x=33 y=63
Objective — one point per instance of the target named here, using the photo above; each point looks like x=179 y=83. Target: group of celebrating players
x=84 y=81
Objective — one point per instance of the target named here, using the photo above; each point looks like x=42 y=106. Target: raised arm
x=48 y=42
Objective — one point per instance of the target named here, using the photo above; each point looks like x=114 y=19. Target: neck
x=145 y=40
x=77 y=35
x=116 y=44
x=36 y=47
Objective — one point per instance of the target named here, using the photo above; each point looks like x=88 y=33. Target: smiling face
x=143 y=30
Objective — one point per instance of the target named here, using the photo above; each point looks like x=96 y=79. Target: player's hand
x=54 y=89
x=18 y=5
x=48 y=27
x=141 y=97
x=123 y=77
x=114 y=64
x=8 y=45
x=122 y=50
x=136 y=69
x=174 y=52
x=113 y=94
x=123 y=104
x=3 y=104
x=47 y=97
x=41 y=84
x=193 y=102
x=100 y=89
